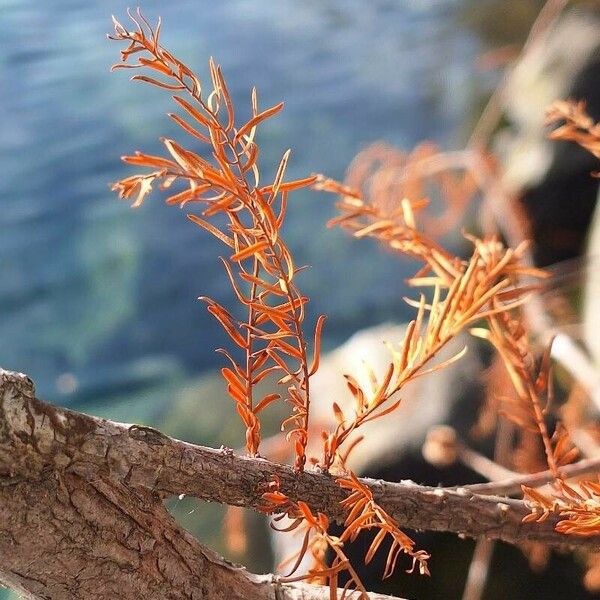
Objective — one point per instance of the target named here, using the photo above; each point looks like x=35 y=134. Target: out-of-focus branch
x=564 y=350
x=492 y=113
x=512 y=485
x=478 y=570
x=497 y=201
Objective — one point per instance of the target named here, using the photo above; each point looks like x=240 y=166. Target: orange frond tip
x=416 y=303
x=187 y=127
x=301 y=553
x=244 y=413
x=456 y=357
x=146 y=160
x=225 y=319
x=268 y=399
x=231 y=378
x=383 y=413
x=306 y=512
x=205 y=121
x=375 y=545
x=294 y=525
x=337 y=411
x=137 y=184
x=157 y=83
x=157 y=65
x=249 y=251
x=296 y=184
x=275 y=497
x=192 y=194
x=317 y=350
x=278 y=181
x=212 y=230
x=254 y=121
x=290 y=186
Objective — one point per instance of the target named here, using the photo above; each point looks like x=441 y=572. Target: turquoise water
x=98 y=302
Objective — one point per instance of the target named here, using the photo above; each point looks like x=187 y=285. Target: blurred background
x=98 y=302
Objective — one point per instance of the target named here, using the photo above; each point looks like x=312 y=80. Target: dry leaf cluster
x=259 y=266
x=576 y=125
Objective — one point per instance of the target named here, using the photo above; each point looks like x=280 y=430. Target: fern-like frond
x=260 y=265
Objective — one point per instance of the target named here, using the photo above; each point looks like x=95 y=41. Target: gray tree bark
x=82 y=513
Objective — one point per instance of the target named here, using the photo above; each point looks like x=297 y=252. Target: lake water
x=98 y=302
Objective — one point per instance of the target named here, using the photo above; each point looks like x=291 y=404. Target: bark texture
x=78 y=521
x=82 y=514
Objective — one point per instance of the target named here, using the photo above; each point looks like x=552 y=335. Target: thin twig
x=512 y=485
x=483 y=465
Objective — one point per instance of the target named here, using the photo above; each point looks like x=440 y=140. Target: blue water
x=98 y=302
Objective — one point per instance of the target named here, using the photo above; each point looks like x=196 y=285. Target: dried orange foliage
x=485 y=286
x=384 y=174
x=260 y=269
x=316 y=540
x=260 y=266
x=578 y=503
x=532 y=387
x=377 y=212
x=577 y=126
x=364 y=514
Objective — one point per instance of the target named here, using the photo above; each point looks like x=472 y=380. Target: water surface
x=98 y=302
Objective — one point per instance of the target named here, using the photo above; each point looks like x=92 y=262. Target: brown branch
x=67 y=538
x=78 y=522
x=81 y=495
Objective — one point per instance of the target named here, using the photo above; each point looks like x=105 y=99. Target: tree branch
x=81 y=503
x=75 y=523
